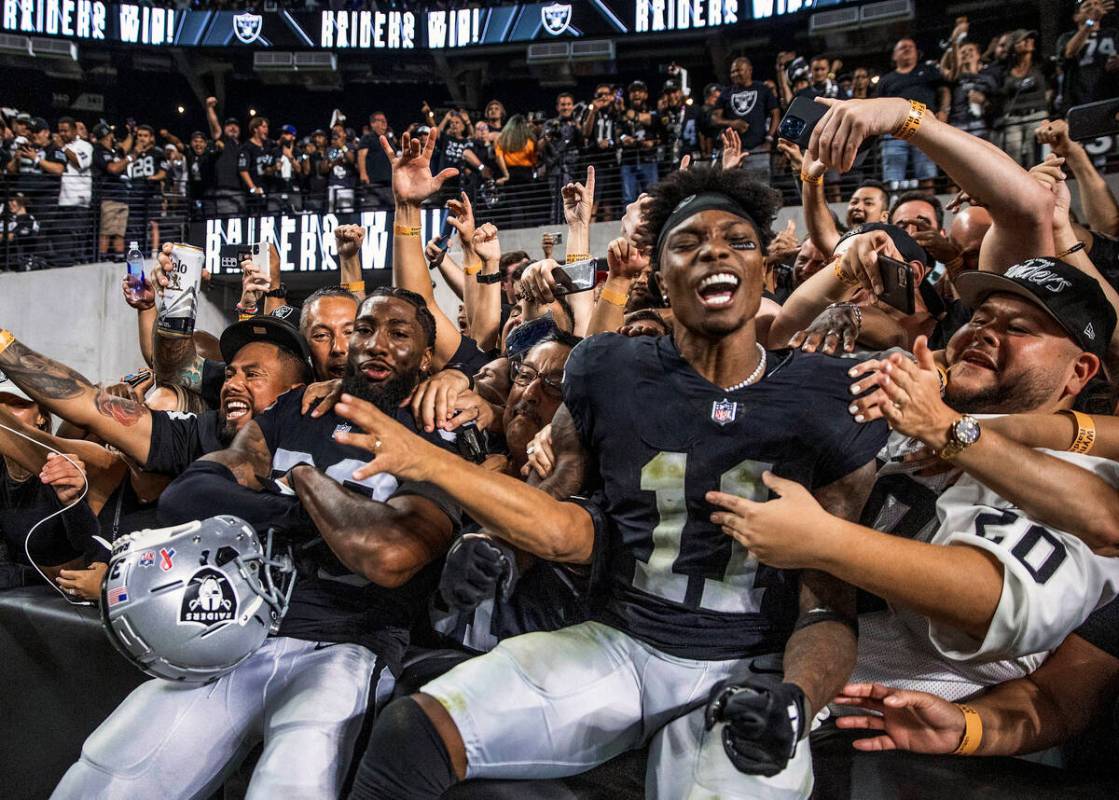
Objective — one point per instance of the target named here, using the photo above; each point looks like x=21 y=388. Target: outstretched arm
x=387 y=542
x=527 y=518
x=412 y=183
x=123 y=423
x=1021 y=210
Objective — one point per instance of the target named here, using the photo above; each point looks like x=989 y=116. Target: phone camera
x=791 y=128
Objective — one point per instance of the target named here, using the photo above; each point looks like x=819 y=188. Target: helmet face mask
x=191 y=602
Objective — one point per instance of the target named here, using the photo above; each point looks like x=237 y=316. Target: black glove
x=764 y=721
x=477 y=568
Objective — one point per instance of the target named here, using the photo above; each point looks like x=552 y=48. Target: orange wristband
x=354 y=286
x=973 y=731
x=613 y=297
x=405 y=230
x=1085 y=432
x=6 y=339
x=474 y=270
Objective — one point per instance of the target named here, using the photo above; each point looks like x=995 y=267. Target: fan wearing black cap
x=228 y=195
x=686 y=607
x=982 y=570
x=265 y=357
x=751 y=108
x=111 y=183
x=364 y=576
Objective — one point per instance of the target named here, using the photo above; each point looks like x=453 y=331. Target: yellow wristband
x=806 y=178
x=405 y=230
x=1085 y=432
x=571 y=258
x=243 y=317
x=973 y=731
x=354 y=286
x=474 y=270
x=842 y=276
x=6 y=339
x=613 y=297
x=912 y=121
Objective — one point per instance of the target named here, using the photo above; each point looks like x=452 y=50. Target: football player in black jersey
x=655 y=424
x=364 y=574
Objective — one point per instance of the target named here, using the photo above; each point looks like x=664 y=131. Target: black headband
x=696 y=203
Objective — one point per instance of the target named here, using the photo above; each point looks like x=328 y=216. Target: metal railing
x=39 y=233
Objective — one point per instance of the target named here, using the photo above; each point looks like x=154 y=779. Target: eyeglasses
x=603 y=94
x=523 y=375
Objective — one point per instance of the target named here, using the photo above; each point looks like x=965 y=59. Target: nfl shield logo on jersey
x=743 y=102
x=556 y=17
x=247 y=27
x=723 y=412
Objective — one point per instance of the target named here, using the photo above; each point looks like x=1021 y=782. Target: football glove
x=764 y=721
x=477 y=568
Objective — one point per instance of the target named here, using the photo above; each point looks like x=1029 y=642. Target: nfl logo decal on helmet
x=217 y=595
x=556 y=18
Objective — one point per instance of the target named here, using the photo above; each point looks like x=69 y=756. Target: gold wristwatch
x=962 y=434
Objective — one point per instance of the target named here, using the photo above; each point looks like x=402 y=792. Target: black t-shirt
x=200 y=171
x=142 y=167
x=960 y=114
x=377 y=165
x=316 y=181
x=1086 y=77
x=637 y=151
x=1101 y=629
x=257 y=160
x=330 y=603
x=225 y=168
x=25 y=503
x=674 y=579
x=452 y=152
x=469 y=357
x=754 y=104
x=40 y=186
x=179 y=438
x=123 y=513
x=920 y=83
x=111 y=187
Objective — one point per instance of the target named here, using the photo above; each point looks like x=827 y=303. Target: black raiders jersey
x=178 y=438
x=661 y=437
x=142 y=167
x=330 y=603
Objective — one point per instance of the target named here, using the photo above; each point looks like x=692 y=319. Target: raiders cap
x=281 y=328
x=101 y=131
x=1073 y=298
x=36 y=124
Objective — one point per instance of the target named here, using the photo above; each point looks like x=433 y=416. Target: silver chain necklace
x=753 y=376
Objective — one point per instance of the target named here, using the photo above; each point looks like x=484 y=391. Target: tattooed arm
x=248 y=458
x=123 y=423
x=177 y=361
x=387 y=542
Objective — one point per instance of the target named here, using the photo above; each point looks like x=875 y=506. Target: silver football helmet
x=191 y=602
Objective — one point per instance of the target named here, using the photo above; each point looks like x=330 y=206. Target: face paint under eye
x=745 y=245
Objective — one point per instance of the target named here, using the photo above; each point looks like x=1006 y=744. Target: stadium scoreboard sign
x=436 y=29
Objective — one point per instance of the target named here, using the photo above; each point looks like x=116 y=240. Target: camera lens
x=791 y=128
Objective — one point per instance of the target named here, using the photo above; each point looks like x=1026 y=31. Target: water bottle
x=135 y=263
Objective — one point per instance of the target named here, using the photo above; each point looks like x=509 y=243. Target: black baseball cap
x=670 y=86
x=101 y=131
x=1072 y=298
x=36 y=124
x=231 y=121
x=638 y=85
x=906 y=244
x=281 y=328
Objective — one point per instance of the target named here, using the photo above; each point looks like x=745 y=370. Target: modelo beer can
x=178 y=305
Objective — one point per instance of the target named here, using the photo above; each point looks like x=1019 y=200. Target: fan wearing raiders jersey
x=306 y=691
x=147 y=167
x=987 y=572
x=689 y=614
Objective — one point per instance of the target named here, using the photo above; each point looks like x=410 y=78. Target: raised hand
x=733 y=154
x=486 y=244
x=434 y=401
x=624 y=259
x=916 y=721
x=67 y=480
x=394 y=449
x=348 y=240
x=462 y=219
x=537 y=282
x=907 y=395
x=784 y=244
x=412 y=181
x=848 y=123
x=578 y=200
x=140 y=298
x=319 y=398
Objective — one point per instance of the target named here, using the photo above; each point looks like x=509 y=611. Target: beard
x=227 y=430
x=386 y=395
x=1028 y=392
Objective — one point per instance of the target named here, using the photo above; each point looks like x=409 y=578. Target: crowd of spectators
x=110 y=185
x=628 y=515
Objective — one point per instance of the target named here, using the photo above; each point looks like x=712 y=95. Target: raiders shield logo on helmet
x=208 y=599
x=556 y=17
x=743 y=102
x=247 y=26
